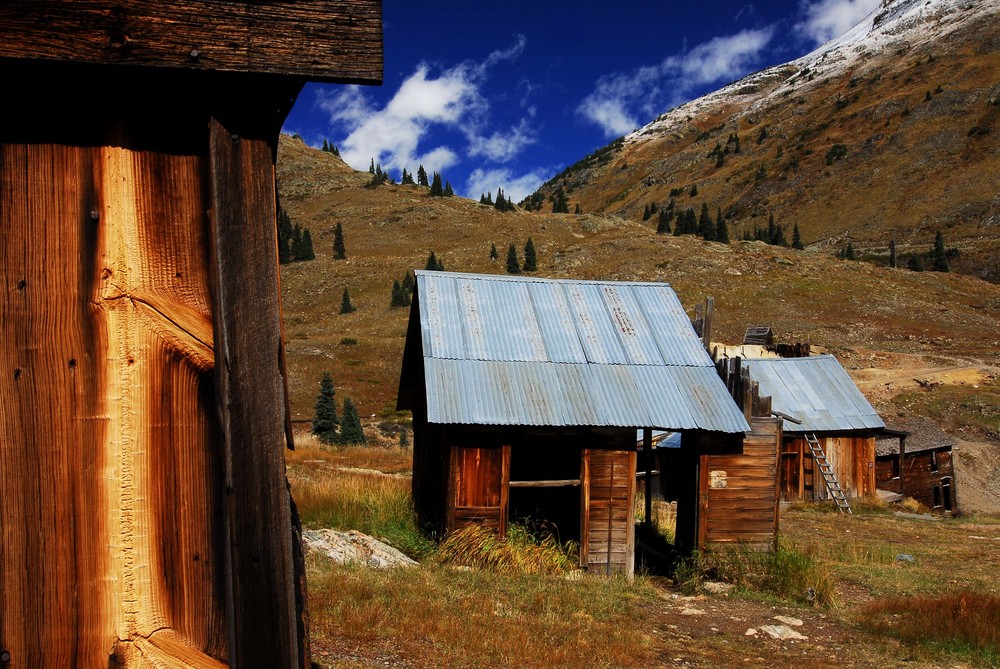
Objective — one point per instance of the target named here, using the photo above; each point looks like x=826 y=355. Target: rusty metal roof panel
x=527 y=351
x=816 y=390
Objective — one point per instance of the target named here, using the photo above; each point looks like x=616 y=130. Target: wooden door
x=479 y=485
x=607 y=543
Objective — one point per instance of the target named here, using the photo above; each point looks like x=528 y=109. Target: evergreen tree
x=421 y=176
x=407 y=178
x=892 y=253
x=397 y=295
x=306 y=252
x=513 y=267
x=407 y=289
x=351 y=431
x=437 y=190
x=448 y=191
x=371 y=168
x=939 y=257
x=915 y=263
x=326 y=145
x=530 y=260
x=663 y=223
x=501 y=203
x=694 y=190
x=721 y=229
x=285 y=232
x=433 y=264
x=779 y=237
x=577 y=210
x=339 y=250
x=296 y=243
x=797 y=238
x=706 y=226
x=404 y=438
x=493 y=252
x=560 y=205
x=324 y=424
x=345 y=303
x=772 y=230
x=482 y=198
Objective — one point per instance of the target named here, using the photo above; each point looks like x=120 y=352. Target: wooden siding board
x=314 y=39
x=265 y=627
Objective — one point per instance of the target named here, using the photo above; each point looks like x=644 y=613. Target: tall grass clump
x=785 y=573
x=961 y=623
x=520 y=552
x=377 y=505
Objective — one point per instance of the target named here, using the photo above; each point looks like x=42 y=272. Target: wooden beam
x=647 y=454
x=312 y=39
x=265 y=628
x=553 y=483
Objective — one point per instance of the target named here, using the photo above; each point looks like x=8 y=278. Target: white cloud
x=502 y=147
x=617 y=99
x=825 y=20
x=396 y=136
x=515 y=187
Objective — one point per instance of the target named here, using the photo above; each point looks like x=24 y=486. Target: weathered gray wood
x=315 y=39
x=264 y=626
x=554 y=483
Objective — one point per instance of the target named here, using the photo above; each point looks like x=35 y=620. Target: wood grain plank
x=264 y=624
x=315 y=39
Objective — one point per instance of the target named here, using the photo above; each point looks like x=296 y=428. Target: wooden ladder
x=832 y=484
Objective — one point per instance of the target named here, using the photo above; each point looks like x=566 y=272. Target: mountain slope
x=888 y=133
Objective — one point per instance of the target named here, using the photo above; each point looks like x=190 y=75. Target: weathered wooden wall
x=478 y=487
x=923 y=472
x=739 y=488
x=851 y=457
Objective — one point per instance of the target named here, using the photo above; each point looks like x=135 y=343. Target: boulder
x=355 y=547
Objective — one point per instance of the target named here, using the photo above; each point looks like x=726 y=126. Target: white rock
x=692 y=612
x=794 y=622
x=717 y=588
x=750 y=632
x=783 y=632
x=355 y=547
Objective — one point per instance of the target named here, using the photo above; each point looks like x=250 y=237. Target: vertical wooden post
x=902 y=465
x=250 y=401
x=647 y=451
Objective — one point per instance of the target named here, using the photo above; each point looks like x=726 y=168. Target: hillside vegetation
x=891 y=135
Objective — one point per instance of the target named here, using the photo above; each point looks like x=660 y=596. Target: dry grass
x=963 y=623
x=520 y=552
x=440 y=617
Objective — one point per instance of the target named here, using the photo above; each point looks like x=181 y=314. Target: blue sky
x=508 y=94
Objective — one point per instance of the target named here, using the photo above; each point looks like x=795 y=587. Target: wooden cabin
x=818 y=400
x=527 y=393
x=725 y=485
x=145 y=514
x=913 y=458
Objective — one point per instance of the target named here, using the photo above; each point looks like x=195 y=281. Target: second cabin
x=526 y=395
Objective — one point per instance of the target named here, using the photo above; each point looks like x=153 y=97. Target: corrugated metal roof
x=528 y=351
x=817 y=391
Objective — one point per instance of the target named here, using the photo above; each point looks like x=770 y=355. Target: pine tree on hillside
x=433 y=264
x=772 y=230
x=285 y=232
x=577 y=209
x=939 y=257
x=560 y=205
x=706 y=226
x=407 y=178
x=324 y=424
x=915 y=263
x=663 y=223
x=513 y=267
x=437 y=189
x=421 y=176
x=306 y=251
x=345 y=303
x=339 y=250
x=530 y=260
x=397 y=295
x=407 y=289
x=493 y=252
x=779 y=237
x=797 y=238
x=371 y=167
x=721 y=229
x=351 y=431
x=326 y=145
x=892 y=253
x=448 y=190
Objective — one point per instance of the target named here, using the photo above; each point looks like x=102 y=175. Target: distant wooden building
x=914 y=459
x=822 y=404
x=526 y=395
x=144 y=510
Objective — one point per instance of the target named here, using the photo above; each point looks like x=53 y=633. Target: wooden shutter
x=608 y=535
x=479 y=487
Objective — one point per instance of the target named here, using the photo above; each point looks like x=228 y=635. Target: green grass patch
x=786 y=573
